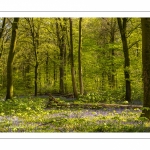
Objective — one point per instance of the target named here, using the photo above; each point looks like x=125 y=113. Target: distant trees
x=9 y=93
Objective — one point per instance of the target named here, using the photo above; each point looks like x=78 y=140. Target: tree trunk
x=61 y=44
x=112 y=40
x=122 y=28
x=35 y=46
x=146 y=65
x=1 y=34
x=72 y=61
x=47 y=68
x=36 y=79
x=55 y=71
x=79 y=57
x=9 y=94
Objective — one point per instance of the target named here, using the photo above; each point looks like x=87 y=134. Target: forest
x=74 y=74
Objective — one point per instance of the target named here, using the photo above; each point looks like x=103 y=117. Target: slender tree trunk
x=35 y=46
x=40 y=81
x=61 y=70
x=54 y=75
x=122 y=28
x=61 y=44
x=1 y=34
x=9 y=94
x=111 y=74
x=112 y=40
x=103 y=83
x=79 y=57
x=65 y=53
x=46 y=68
x=65 y=69
x=36 y=79
x=146 y=65
x=72 y=61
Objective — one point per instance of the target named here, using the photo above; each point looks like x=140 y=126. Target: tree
x=1 y=34
x=79 y=57
x=60 y=30
x=108 y=39
x=34 y=31
x=122 y=23
x=112 y=52
x=72 y=60
x=9 y=94
x=146 y=65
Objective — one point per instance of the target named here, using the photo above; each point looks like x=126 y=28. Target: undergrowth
x=29 y=115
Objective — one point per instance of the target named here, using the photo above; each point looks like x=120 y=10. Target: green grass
x=29 y=115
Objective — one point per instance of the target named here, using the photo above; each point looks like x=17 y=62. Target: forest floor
x=28 y=114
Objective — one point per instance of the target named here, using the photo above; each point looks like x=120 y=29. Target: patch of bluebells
x=105 y=118
x=92 y=113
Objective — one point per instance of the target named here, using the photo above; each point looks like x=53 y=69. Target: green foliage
x=18 y=106
x=109 y=96
x=29 y=115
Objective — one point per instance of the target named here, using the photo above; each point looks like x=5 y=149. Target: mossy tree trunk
x=122 y=23
x=72 y=61
x=60 y=30
x=9 y=93
x=79 y=57
x=146 y=65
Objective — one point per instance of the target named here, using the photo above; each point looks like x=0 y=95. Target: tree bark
x=122 y=27
x=79 y=57
x=61 y=44
x=9 y=94
x=1 y=34
x=47 y=67
x=36 y=79
x=146 y=65
x=72 y=61
x=55 y=71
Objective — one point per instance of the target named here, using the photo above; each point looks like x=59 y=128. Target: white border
x=74 y=5
x=74 y=8
x=74 y=14
x=75 y=135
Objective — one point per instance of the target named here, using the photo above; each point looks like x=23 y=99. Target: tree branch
x=133 y=44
